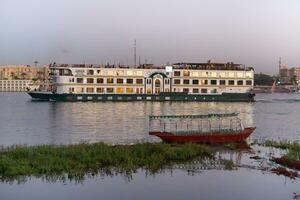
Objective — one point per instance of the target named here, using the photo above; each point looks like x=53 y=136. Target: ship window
x=110 y=72
x=186 y=81
x=139 y=81
x=120 y=73
x=186 y=73
x=120 y=80
x=90 y=90
x=231 y=74
x=213 y=74
x=139 y=90
x=71 y=90
x=100 y=90
x=139 y=73
x=79 y=90
x=203 y=91
x=185 y=90
x=129 y=81
x=157 y=83
x=240 y=74
x=195 y=74
x=231 y=82
x=176 y=73
x=213 y=91
x=213 y=82
x=240 y=82
x=65 y=72
x=110 y=80
x=249 y=74
x=109 y=90
x=129 y=73
x=222 y=82
x=195 y=90
x=195 y=82
x=248 y=82
x=129 y=90
x=120 y=90
x=204 y=82
x=90 y=72
x=79 y=80
x=90 y=80
x=177 y=81
x=100 y=80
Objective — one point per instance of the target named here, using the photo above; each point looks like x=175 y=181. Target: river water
x=23 y=121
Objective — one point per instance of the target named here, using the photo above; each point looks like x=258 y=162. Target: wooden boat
x=211 y=128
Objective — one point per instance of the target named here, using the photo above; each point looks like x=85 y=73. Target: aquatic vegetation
x=228 y=164
x=283 y=171
x=292 y=158
x=80 y=159
x=293 y=148
x=278 y=144
x=231 y=146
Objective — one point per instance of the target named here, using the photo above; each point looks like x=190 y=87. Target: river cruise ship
x=178 y=82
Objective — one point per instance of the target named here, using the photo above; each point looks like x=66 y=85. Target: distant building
x=23 y=72
x=17 y=78
x=289 y=75
x=14 y=85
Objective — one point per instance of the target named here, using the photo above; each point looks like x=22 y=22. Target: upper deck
x=229 y=66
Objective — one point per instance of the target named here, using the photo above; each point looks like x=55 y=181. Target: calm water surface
x=23 y=121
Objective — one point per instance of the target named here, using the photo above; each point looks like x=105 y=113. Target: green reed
x=293 y=148
x=79 y=159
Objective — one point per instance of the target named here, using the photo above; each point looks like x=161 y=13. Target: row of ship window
x=167 y=81
x=212 y=82
x=139 y=90
x=186 y=73
x=108 y=80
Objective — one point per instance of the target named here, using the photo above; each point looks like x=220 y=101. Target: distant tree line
x=263 y=79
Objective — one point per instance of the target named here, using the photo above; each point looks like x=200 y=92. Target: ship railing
x=196 y=124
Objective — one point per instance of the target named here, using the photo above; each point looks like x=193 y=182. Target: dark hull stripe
x=225 y=97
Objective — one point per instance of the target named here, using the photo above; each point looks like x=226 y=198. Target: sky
x=252 y=32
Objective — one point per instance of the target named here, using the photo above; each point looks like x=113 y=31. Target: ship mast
x=134 y=56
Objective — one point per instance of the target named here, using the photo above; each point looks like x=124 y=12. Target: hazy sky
x=252 y=32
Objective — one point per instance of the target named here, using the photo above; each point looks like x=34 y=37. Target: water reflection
x=126 y=122
x=25 y=122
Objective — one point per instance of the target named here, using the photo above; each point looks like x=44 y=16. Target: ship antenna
x=134 y=52
x=139 y=60
x=279 y=64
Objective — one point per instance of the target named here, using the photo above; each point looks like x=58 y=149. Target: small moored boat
x=211 y=128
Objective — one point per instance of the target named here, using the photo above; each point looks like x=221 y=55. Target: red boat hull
x=206 y=138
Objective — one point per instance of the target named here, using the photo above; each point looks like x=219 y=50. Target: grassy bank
x=77 y=160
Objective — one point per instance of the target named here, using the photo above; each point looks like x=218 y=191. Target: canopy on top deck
x=208 y=116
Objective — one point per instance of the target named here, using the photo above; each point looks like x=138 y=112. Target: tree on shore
x=263 y=79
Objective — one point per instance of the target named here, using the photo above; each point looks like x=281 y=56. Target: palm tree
x=23 y=75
